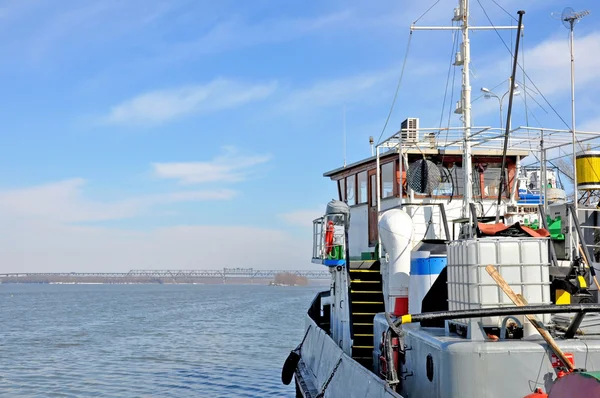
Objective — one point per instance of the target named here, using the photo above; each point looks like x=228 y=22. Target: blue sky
x=194 y=134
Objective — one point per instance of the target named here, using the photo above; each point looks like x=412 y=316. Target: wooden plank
x=536 y=324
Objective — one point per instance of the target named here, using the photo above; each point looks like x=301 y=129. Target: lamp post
x=490 y=94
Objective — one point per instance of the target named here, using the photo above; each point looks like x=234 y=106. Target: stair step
x=362 y=323
x=367 y=302
x=361 y=281
x=363 y=335
x=366 y=291
x=364 y=313
x=363 y=270
x=362 y=358
x=363 y=347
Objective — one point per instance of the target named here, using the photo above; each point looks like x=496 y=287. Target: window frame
x=359 y=190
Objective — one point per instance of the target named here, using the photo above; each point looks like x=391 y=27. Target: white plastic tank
x=396 y=232
x=522 y=262
x=427 y=261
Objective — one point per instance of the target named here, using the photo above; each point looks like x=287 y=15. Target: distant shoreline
x=146 y=281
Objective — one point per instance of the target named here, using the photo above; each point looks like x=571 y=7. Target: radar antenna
x=569 y=19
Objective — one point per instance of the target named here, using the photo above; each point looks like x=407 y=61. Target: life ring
x=329 y=237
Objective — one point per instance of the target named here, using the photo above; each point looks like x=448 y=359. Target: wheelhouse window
x=487 y=180
x=361 y=187
x=446 y=187
x=350 y=189
x=342 y=189
x=387 y=180
x=457 y=179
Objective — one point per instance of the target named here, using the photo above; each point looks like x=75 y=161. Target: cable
x=397 y=87
x=429 y=9
x=454 y=42
x=520 y=67
x=527 y=120
x=503 y=9
x=532 y=82
x=524 y=88
x=454 y=47
x=491 y=89
x=451 y=99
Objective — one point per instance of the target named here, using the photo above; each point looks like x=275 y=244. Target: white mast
x=463 y=107
x=466 y=105
x=572 y=18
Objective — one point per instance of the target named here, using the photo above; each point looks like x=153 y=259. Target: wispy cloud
x=50 y=247
x=549 y=63
x=302 y=217
x=65 y=202
x=338 y=90
x=590 y=124
x=161 y=106
x=229 y=167
x=238 y=33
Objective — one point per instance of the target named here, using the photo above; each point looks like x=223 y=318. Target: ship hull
x=324 y=367
x=438 y=363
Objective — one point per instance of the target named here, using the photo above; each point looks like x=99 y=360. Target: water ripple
x=148 y=340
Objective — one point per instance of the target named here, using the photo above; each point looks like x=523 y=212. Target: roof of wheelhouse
x=424 y=151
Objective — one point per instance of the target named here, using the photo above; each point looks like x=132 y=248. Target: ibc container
x=522 y=262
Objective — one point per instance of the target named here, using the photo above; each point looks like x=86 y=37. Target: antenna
x=569 y=19
x=344 y=133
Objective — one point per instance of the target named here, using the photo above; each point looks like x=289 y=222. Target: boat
x=459 y=268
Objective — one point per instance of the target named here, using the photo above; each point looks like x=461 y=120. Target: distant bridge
x=170 y=274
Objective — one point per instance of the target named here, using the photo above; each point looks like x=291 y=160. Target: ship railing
x=436 y=223
x=490 y=138
x=322 y=251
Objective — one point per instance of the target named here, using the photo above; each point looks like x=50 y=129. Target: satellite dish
x=423 y=176
x=569 y=17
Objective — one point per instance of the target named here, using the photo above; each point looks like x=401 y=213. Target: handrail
x=442 y=213
x=545 y=225
x=498 y=311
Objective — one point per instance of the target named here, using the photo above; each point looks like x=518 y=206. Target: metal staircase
x=366 y=296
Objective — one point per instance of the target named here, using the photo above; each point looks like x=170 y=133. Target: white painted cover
x=396 y=233
x=522 y=262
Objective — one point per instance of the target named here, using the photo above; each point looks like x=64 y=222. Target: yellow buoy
x=588 y=170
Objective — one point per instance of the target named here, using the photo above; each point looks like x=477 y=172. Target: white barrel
x=419 y=281
x=424 y=270
x=396 y=232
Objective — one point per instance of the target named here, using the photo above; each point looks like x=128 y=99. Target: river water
x=148 y=340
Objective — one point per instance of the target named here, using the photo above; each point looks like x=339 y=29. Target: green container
x=555 y=228
x=337 y=253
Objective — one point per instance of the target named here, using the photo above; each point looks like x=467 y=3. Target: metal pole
x=344 y=133
x=400 y=168
x=466 y=98
x=378 y=184
x=500 y=101
x=575 y=192
x=544 y=176
x=508 y=116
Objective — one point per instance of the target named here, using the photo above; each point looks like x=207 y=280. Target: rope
x=503 y=9
x=520 y=67
x=452 y=54
x=321 y=394
x=299 y=348
x=397 y=87
x=429 y=9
